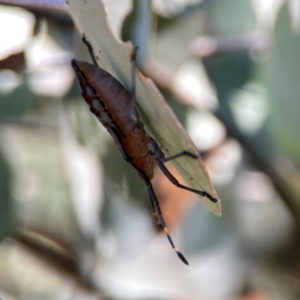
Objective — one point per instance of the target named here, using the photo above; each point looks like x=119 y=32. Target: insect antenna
x=157 y=213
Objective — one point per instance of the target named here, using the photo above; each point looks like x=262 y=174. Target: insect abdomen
x=110 y=102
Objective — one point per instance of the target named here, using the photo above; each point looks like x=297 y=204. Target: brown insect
x=115 y=108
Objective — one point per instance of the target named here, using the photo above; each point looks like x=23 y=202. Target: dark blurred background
x=75 y=219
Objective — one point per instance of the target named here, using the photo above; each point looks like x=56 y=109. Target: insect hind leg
x=158 y=214
x=91 y=51
x=160 y=157
x=181 y=186
x=133 y=113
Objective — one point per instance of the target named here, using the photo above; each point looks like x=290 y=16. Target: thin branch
x=52 y=5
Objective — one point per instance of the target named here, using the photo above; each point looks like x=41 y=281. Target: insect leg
x=183 y=153
x=160 y=157
x=132 y=104
x=156 y=208
x=90 y=49
x=176 y=183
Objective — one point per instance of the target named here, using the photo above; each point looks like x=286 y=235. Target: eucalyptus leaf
x=113 y=56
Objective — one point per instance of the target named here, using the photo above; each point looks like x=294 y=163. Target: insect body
x=114 y=107
x=110 y=102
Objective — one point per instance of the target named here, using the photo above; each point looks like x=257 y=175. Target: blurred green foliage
x=6 y=198
x=75 y=219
